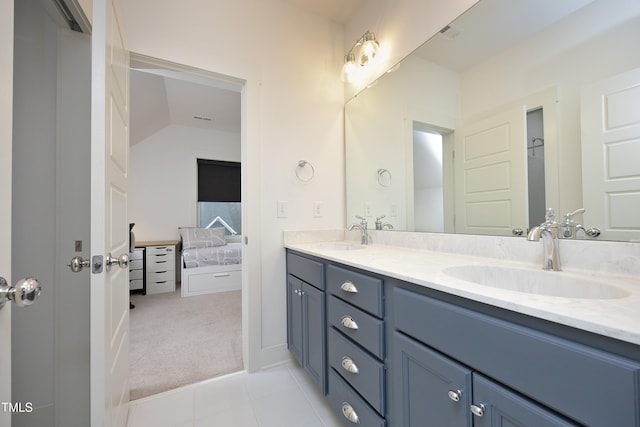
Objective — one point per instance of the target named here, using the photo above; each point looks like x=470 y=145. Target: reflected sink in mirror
x=536 y=282
x=340 y=246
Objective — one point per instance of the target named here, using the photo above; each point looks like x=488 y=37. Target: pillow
x=202 y=237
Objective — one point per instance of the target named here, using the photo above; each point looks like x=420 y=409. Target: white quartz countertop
x=617 y=318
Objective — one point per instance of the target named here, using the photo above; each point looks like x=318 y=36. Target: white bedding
x=231 y=253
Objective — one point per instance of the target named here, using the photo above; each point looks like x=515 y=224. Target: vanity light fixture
x=368 y=49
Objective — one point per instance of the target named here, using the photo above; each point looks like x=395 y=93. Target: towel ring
x=302 y=166
x=384 y=177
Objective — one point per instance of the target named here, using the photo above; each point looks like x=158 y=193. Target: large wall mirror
x=513 y=108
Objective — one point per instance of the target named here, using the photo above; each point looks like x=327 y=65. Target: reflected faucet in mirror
x=383 y=225
x=548 y=231
x=362 y=226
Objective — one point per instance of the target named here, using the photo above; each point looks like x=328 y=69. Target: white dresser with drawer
x=160 y=266
x=136 y=270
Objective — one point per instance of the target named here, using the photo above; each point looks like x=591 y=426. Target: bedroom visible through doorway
x=180 y=116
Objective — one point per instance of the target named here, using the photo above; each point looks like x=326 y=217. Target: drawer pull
x=222 y=275
x=455 y=395
x=348 y=322
x=478 y=410
x=350 y=413
x=349 y=287
x=348 y=365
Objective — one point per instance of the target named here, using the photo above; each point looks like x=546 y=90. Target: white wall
x=163 y=177
x=291 y=63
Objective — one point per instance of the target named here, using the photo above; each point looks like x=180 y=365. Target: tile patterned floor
x=280 y=396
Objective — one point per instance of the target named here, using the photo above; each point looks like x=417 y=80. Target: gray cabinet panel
x=421 y=380
x=370 y=332
x=369 y=378
x=504 y=408
x=306 y=269
x=585 y=384
x=314 y=337
x=294 y=317
x=369 y=289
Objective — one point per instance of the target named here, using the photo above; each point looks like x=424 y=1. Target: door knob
x=78 y=263
x=122 y=261
x=24 y=293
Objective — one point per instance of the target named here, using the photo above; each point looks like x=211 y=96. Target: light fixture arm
x=368 y=50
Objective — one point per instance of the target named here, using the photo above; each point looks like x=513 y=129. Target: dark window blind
x=218 y=181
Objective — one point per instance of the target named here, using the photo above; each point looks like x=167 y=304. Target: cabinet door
x=428 y=389
x=495 y=406
x=294 y=317
x=314 y=336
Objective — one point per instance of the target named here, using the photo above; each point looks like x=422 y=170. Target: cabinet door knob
x=478 y=410
x=349 y=287
x=349 y=365
x=350 y=413
x=455 y=395
x=348 y=322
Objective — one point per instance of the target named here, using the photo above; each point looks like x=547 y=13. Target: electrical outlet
x=283 y=209
x=393 y=211
x=318 y=209
x=367 y=208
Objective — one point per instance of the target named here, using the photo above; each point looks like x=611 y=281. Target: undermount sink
x=340 y=246
x=536 y=282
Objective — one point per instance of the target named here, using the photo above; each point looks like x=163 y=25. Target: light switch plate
x=283 y=209
x=318 y=209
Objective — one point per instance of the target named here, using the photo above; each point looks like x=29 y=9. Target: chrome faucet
x=364 y=240
x=548 y=231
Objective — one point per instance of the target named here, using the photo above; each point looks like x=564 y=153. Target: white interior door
x=6 y=115
x=109 y=225
x=610 y=126
x=490 y=174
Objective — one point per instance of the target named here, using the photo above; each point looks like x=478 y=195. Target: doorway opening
x=432 y=178
x=535 y=167
x=179 y=116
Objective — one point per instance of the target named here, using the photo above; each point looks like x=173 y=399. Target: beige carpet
x=177 y=341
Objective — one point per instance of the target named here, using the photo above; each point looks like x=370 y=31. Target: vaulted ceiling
x=160 y=99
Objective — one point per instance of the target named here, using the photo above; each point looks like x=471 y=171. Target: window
x=219 y=202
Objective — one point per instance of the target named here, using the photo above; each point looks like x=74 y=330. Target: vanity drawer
x=370 y=330
x=368 y=380
x=344 y=400
x=306 y=269
x=136 y=284
x=586 y=384
x=366 y=291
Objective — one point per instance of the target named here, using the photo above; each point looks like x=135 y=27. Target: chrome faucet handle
x=363 y=221
x=550 y=217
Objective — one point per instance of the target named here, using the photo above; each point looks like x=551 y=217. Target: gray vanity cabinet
x=306 y=321
x=526 y=375
x=432 y=387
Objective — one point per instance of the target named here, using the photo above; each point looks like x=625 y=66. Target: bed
x=210 y=262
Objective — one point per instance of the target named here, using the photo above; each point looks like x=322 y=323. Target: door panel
x=6 y=115
x=490 y=172
x=109 y=229
x=610 y=126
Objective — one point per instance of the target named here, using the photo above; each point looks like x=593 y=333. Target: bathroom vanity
x=407 y=342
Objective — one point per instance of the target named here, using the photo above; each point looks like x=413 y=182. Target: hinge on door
x=246 y=240
x=96 y=264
